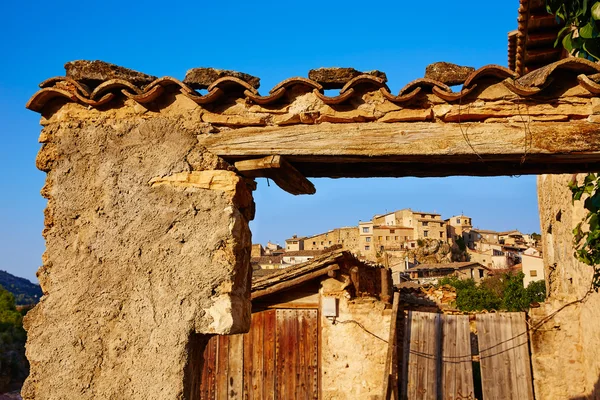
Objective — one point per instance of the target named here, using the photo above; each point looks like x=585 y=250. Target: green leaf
x=596 y=11
x=588 y=31
x=568 y=42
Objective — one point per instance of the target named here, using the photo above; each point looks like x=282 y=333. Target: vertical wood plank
x=292 y=353
x=280 y=356
x=269 y=355
x=521 y=353
x=504 y=353
x=449 y=342
x=207 y=383
x=235 y=374
x=247 y=381
x=406 y=341
x=222 y=367
x=256 y=333
x=464 y=374
x=312 y=362
x=301 y=392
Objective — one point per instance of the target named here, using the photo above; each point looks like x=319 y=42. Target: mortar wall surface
x=133 y=270
x=565 y=351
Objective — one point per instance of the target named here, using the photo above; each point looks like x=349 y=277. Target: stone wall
x=352 y=359
x=147 y=251
x=566 y=349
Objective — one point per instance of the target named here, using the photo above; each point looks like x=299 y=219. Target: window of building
x=367 y=248
x=321 y=243
x=412 y=245
x=379 y=238
x=422 y=215
x=314 y=243
x=458 y=220
x=368 y=239
x=533 y=273
x=425 y=223
x=365 y=230
x=387 y=238
x=441 y=224
x=330 y=242
x=396 y=238
x=392 y=231
x=425 y=233
x=480 y=273
x=441 y=234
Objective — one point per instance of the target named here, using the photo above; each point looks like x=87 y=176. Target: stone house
x=431 y=273
x=316 y=332
x=457 y=226
x=485 y=236
x=347 y=237
x=294 y=243
x=533 y=268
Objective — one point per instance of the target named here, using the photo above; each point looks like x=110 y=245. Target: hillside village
x=417 y=246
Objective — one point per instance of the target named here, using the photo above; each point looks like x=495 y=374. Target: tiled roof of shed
x=99 y=90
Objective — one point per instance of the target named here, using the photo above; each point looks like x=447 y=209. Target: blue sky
x=272 y=40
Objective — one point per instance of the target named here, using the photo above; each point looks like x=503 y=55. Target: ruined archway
x=149 y=192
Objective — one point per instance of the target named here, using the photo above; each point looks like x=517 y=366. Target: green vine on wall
x=581 y=38
x=586 y=235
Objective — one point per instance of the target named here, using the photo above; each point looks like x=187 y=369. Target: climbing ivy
x=586 y=235
x=581 y=38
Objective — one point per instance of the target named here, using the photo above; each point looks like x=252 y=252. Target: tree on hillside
x=503 y=293
x=14 y=367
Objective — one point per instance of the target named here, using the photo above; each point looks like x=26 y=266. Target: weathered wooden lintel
x=279 y=170
x=419 y=148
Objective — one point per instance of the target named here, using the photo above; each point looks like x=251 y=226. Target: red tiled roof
x=422 y=94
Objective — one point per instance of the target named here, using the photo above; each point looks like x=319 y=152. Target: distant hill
x=24 y=291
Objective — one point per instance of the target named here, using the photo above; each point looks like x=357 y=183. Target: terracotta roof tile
x=87 y=88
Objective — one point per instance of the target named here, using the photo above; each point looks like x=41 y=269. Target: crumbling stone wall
x=566 y=349
x=354 y=347
x=147 y=248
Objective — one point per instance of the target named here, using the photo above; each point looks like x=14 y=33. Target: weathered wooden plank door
x=504 y=354
x=457 y=362
x=421 y=356
x=277 y=359
x=296 y=355
x=437 y=362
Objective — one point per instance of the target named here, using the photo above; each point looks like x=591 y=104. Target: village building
x=458 y=226
x=485 y=236
x=533 y=268
x=347 y=237
x=257 y=250
x=431 y=273
x=511 y=238
x=272 y=249
x=294 y=243
x=317 y=329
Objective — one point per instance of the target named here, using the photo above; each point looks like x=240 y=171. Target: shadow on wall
x=595 y=395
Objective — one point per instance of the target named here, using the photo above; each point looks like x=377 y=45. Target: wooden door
x=277 y=359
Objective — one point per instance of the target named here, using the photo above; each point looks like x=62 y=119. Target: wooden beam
x=292 y=282
x=391 y=348
x=419 y=148
x=279 y=170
